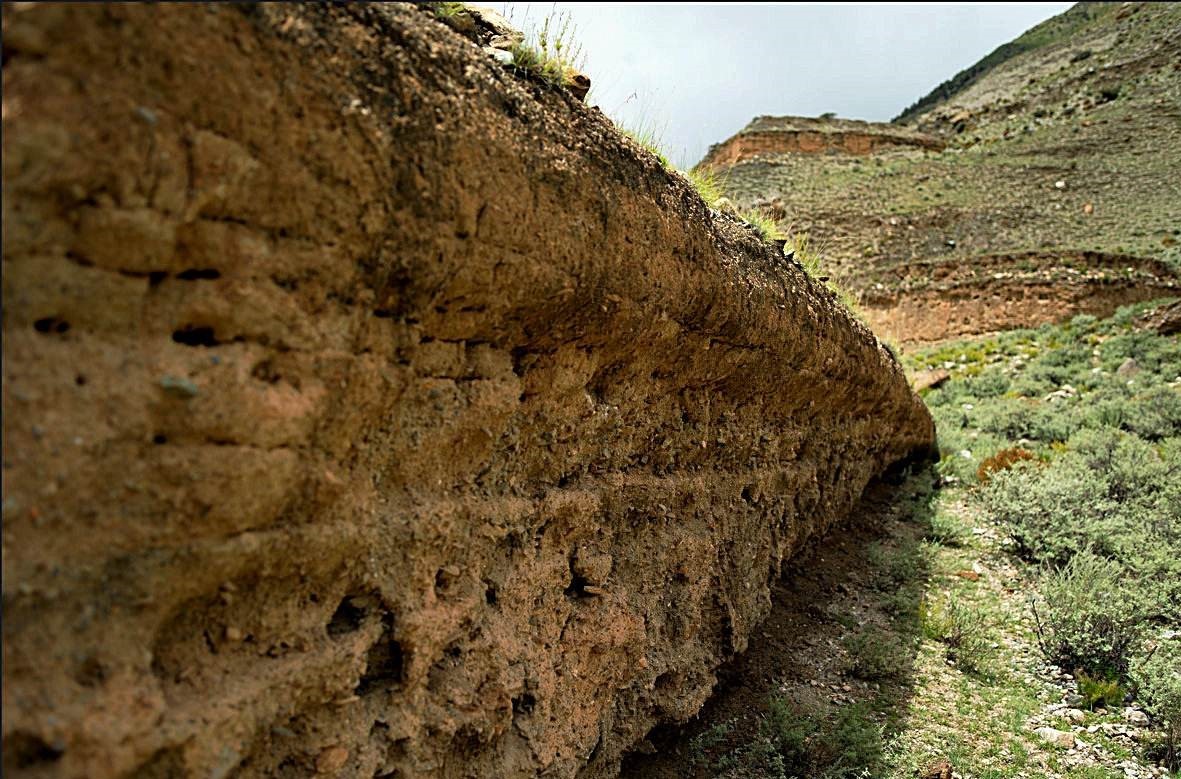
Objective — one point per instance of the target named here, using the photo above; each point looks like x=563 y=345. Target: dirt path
x=830 y=595
x=901 y=649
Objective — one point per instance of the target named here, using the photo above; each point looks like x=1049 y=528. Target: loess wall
x=372 y=410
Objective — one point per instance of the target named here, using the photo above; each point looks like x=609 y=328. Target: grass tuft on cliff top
x=551 y=53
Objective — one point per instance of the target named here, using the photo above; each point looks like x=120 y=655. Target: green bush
x=874 y=656
x=1089 y=617
x=961 y=628
x=947 y=530
x=1108 y=492
x=1156 y=414
x=1157 y=677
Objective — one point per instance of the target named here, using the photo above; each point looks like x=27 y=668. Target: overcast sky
x=698 y=73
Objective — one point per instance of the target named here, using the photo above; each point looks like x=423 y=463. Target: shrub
x=846 y=747
x=1109 y=492
x=1156 y=414
x=989 y=384
x=1002 y=461
x=1032 y=419
x=1089 y=618
x=1157 y=676
x=960 y=628
x=710 y=739
x=874 y=656
x=947 y=530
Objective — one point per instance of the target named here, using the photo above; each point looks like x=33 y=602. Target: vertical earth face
x=372 y=410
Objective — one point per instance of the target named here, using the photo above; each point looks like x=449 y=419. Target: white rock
x=1056 y=737
x=1136 y=717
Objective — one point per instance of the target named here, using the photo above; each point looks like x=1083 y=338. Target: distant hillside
x=1050 y=31
x=1049 y=189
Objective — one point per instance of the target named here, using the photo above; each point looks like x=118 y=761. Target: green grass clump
x=647 y=136
x=447 y=10
x=1099 y=691
x=959 y=627
x=706 y=183
x=552 y=53
x=848 y=745
x=800 y=245
x=791 y=742
x=765 y=225
x=947 y=530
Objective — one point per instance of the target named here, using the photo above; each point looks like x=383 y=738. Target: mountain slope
x=1053 y=30
x=1056 y=192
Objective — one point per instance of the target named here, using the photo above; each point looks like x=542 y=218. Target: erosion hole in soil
x=195 y=336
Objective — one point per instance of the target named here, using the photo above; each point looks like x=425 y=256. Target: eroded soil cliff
x=373 y=410
x=771 y=135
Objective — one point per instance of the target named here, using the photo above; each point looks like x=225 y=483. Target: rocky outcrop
x=767 y=135
x=371 y=409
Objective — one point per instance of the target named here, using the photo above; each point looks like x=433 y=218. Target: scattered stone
x=493 y=29
x=147 y=115
x=930 y=379
x=726 y=206
x=500 y=55
x=579 y=85
x=332 y=759
x=1136 y=717
x=1060 y=184
x=940 y=769
x=1165 y=320
x=179 y=387
x=1058 y=738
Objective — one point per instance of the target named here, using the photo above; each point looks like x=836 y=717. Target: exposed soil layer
x=932 y=301
x=804 y=135
x=373 y=410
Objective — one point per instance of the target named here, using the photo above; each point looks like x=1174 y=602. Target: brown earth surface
x=373 y=410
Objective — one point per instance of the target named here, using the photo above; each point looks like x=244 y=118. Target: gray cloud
x=696 y=74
